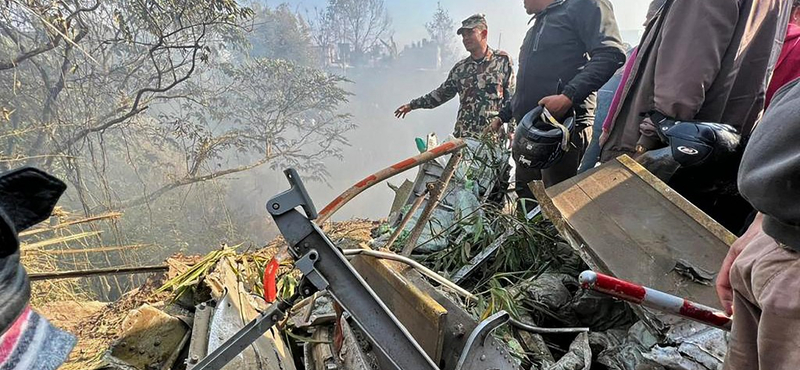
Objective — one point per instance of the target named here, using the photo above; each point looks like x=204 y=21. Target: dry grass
x=71 y=242
x=99 y=330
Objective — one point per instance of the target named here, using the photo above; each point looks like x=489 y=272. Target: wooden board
x=627 y=223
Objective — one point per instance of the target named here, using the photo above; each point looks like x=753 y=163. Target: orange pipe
x=397 y=168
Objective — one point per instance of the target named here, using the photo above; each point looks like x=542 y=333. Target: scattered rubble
x=176 y=318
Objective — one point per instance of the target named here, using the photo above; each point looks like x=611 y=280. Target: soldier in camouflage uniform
x=484 y=82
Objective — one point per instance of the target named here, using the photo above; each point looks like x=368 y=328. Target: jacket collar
x=486 y=57
x=553 y=5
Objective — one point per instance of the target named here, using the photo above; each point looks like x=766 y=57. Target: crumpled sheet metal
x=687 y=345
x=355 y=353
x=314 y=311
x=701 y=343
x=694 y=273
x=671 y=359
x=623 y=349
x=225 y=322
x=235 y=308
x=579 y=356
x=473 y=176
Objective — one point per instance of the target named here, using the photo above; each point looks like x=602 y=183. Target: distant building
x=422 y=55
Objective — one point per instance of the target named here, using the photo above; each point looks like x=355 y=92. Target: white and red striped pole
x=654 y=299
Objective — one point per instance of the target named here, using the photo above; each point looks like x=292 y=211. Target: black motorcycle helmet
x=697 y=143
x=540 y=141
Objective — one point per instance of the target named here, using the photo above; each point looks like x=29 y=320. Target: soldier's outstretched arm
x=442 y=94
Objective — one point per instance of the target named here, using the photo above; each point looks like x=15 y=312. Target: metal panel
x=419 y=313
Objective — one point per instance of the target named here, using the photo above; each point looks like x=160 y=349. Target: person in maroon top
x=788 y=67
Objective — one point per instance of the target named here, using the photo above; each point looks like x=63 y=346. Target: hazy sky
x=506 y=17
x=380 y=139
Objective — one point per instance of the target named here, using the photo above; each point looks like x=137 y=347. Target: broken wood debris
x=36 y=276
x=39 y=230
x=436 y=194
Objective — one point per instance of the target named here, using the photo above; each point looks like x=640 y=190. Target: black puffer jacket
x=27 y=197
x=574 y=47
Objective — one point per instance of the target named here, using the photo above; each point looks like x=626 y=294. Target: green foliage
x=186 y=281
x=287 y=286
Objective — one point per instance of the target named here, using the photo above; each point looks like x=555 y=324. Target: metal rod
x=416 y=265
x=406 y=219
x=537 y=330
x=106 y=271
x=386 y=173
x=433 y=201
x=87 y=250
x=654 y=299
x=243 y=338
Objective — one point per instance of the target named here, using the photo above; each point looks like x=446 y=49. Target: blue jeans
x=604 y=97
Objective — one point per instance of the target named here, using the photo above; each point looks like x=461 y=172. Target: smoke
x=381 y=139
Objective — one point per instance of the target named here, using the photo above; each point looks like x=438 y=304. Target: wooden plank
x=627 y=223
x=691 y=210
x=417 y=311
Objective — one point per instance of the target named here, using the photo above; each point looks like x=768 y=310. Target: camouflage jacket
x=484 y=87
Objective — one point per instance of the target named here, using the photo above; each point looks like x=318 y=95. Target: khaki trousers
x=766 y=308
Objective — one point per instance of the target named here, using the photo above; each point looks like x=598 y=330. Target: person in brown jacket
x=699 y=61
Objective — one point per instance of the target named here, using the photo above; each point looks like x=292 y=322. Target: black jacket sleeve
x=597 y=28
x=505 y=113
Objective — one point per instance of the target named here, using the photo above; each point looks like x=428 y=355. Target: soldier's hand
x=495 y=125
x=402 y=111
x=558 y=105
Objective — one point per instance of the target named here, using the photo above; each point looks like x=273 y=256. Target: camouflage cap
x=475 y=20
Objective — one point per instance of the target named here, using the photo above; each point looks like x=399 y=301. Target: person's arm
x=509 y=86
x=505 y=114
x=598 y=30
x=442 y=94
x=688 y=63
x=694 y=38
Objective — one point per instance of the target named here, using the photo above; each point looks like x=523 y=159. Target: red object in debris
x=655 y=299
x=270 y=280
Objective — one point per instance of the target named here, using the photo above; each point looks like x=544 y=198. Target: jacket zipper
x=539 y=34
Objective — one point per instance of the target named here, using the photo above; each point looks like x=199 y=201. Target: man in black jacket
x=572 y=50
